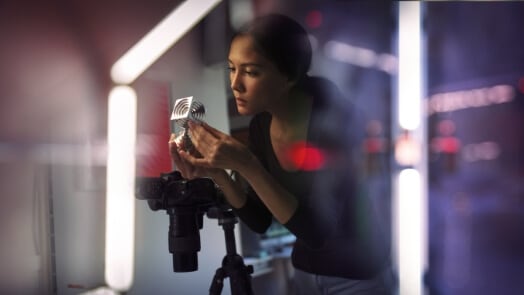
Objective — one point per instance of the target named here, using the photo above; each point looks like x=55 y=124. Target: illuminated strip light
x=472 y=98
x=410 y=232
x=484 y=151
x=411 y=197
x=120 y=203
x=360 y=56
x=409 y=65
x=155 y=43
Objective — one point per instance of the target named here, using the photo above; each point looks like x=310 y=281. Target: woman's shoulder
x=327 y=97
x=333 y=109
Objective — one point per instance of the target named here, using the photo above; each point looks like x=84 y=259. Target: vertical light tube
x=120 y=203
x=409 y=222
x=409 y=64
x=410 y=212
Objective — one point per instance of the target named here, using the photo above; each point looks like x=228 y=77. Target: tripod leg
x=233 y=265
x=218 y=282
x=239 y=275
x=240 y=281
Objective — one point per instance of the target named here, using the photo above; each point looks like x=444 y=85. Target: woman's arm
x=246 y=204
x=278 y=200
x=219 y=150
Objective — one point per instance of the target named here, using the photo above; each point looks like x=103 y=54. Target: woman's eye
x=247 y=72
x=251 y=73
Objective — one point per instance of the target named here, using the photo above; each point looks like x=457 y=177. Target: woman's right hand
x=188 y=170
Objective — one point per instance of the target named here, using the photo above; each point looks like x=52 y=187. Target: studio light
x=120 y=202
x=410 y=198
x=155 y=43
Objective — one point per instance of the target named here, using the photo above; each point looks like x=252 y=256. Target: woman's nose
x=236 y=83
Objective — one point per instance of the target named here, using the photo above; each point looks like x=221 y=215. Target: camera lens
x=185 y=262
x=184 y=238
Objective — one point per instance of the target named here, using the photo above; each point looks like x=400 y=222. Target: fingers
x=205 y=131
x=173 y=145
x=213 y=131
x=216 y=149
x=178 y=162
x=188 y=158
x=201 y=137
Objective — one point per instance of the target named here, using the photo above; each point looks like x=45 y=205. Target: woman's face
x=256 y=82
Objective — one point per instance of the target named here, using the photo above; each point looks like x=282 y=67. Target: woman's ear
x=298 y=81
x=292 y=82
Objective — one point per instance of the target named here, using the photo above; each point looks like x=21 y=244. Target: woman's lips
x=240 y=101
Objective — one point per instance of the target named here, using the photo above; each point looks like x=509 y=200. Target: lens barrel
x=184 y=238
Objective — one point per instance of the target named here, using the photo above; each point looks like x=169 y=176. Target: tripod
x=232 y=265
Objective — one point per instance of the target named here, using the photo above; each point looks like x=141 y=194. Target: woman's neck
x=290 y=120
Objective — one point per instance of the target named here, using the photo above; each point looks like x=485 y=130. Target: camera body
x=186 y=202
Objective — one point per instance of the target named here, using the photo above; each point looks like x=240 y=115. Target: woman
x=298 y=167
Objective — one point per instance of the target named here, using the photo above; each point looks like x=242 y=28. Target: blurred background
x=55 y=62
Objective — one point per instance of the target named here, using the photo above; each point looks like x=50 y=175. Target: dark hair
x=283 y=41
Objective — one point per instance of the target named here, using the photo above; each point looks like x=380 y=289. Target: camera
x=186 y=202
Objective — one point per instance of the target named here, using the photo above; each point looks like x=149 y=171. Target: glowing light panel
x=120 y=203
x=410 y=232
x=410 y=196
x=409 y=64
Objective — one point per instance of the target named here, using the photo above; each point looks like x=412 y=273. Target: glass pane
x=475 y=104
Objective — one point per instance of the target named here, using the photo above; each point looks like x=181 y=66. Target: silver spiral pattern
x=188 y=109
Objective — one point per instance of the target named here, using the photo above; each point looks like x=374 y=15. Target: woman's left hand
x=217 y=149
x=188 y=170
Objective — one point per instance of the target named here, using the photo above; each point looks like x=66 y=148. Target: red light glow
x=521 y=85
x=306 y=156
x=314 y=19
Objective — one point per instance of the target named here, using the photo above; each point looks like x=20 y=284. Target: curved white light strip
x=120 y=203
x=134 y=62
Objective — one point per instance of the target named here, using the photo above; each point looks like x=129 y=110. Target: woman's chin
x=244 y=111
